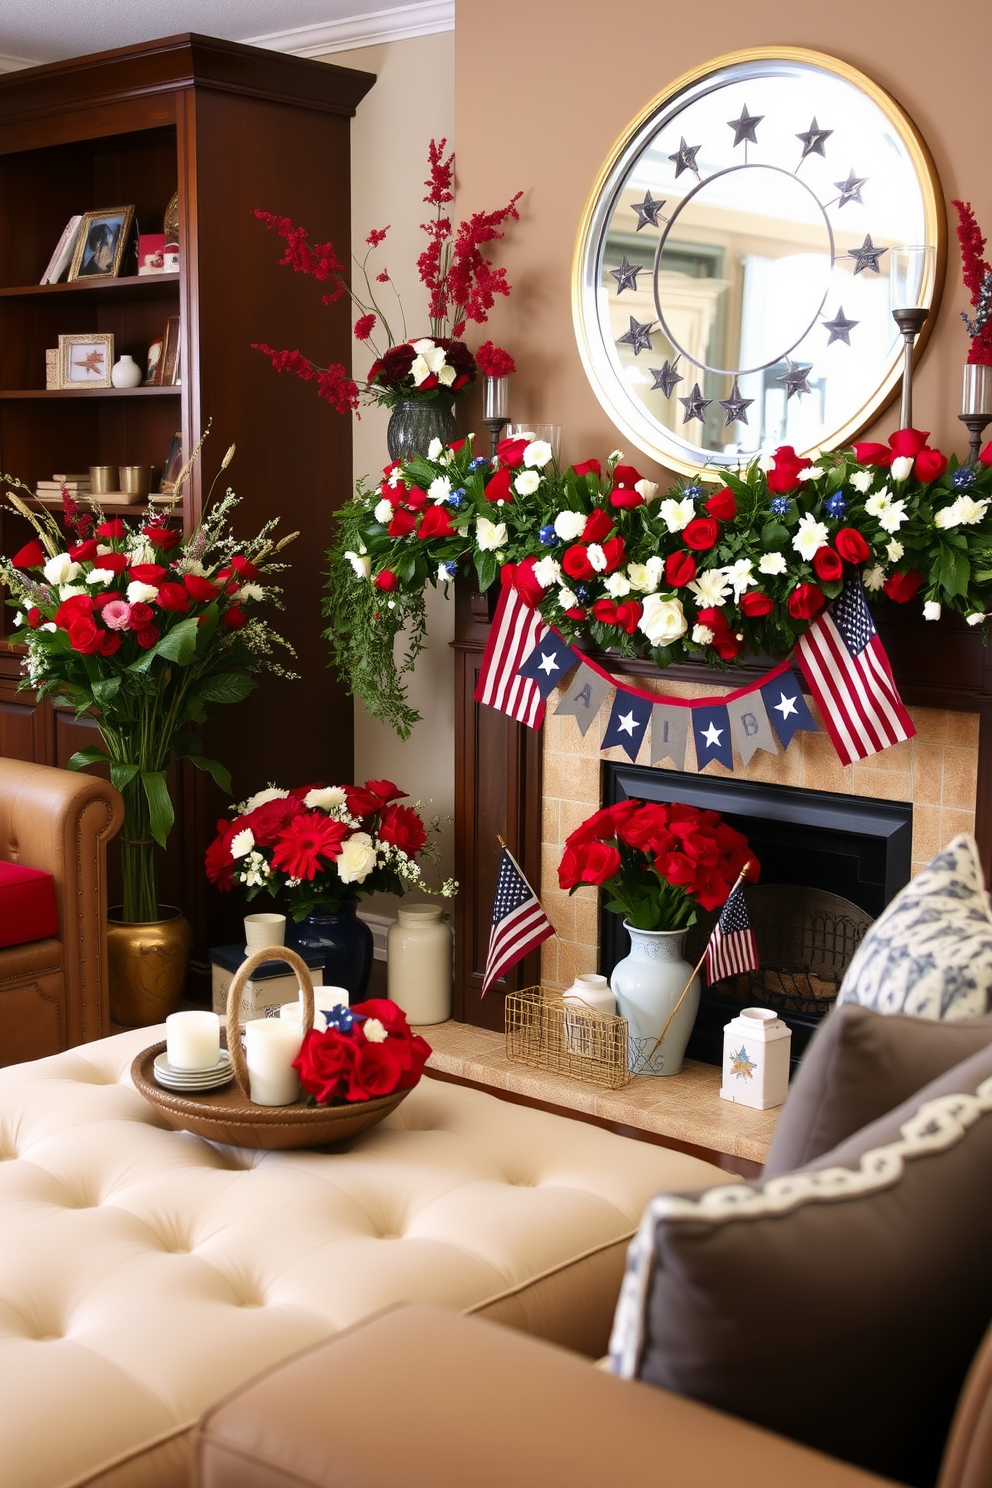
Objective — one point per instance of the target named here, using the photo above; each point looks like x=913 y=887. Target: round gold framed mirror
x=730 y=289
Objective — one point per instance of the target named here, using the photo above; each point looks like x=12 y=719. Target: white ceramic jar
x=592 y=990
x=418 y=966
x=125 y=373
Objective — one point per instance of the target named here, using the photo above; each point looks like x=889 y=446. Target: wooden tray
x=227 y=1115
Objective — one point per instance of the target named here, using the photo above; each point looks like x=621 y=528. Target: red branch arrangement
x=977 y=275
x=461 y=283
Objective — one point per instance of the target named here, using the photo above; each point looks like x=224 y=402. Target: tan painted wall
x=544 y=90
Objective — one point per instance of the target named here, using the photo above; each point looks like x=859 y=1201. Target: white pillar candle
x=271 y=1045
x=325 y=1000
x=192 y=1040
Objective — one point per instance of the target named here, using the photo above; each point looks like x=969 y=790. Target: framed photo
x=170 y=353
x=85 y=361
x=173 y=465
x=102 y=242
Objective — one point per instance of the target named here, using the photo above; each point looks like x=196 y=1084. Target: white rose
x=547 y=572
x=931 y=610
x=435 y=449
x=617 y=586
x=326 y=797
x=420 y=370
x=647 y=489
x=242 y=843
x=646 y=576
x=975 y=618
x=861 y=481
x=662 y=620
x=374 y=1031
x=567 y=599
x=271 y=793
x=60 y=569
x=895 y=551
x=138 y=593
x=363 y=564
x=901 y=467
x=432 y=354
x=68 y=591
x=100 y=576
x=772 y=563
x=596 y=556
x=702 y=635
x=446 y=375
x=526 y=482
x=537 y=454
x=873 y=578
x=677 y=514
x=439 y=489
x=489 y=535
x=569 y=524
x=710 y=587
x=811 y=536
x=892 y=518
x=356 y=859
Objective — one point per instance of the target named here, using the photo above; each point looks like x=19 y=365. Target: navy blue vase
x=343 y=940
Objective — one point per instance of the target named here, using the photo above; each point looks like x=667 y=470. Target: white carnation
x=547 y=571
x=702 y=635
x=861 y=480
x=971 y=511
x=895 y=551
x=356 y=859
x=646 y=576
x=772 y=563
x=526 y=482
x=489 y=535
x=569 y=524
x=326 y=797
x=102 y=576
x=383 y=513
x=811 y=536
x=439 y=489
x=567 y=599
x=256 y=592
x=537 y=454
x=677 y=514
x=873 y=578
x=271 y=793
x=662 y=620
x=435 y=449
x=60 y=569
x=362 y=563
x=617 y=585
x=242 y=843
x=374 y=1031
x=596 y=556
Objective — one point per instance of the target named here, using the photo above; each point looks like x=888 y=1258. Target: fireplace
x=830 y=863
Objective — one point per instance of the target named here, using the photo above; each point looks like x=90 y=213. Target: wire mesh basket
x=566 y=1038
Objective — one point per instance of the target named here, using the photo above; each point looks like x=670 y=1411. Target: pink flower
x=117 y=615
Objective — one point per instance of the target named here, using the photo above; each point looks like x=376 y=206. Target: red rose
x=589 y=467
x=985 y=458
x=530 y=591
x=32 y=555
x=244 y=567
x=680 y=569
x=84 y=634
x=625 y=500
x=908 y=442
x=147 y=573
x=434 y=523
x=109 y=642
x=113 y=562
x=84 y=552
x=200 y=588
x=851 y=545
x=386 y=580
x=402 y=826
x=626 y=475
x=498 y=489
x=141 y=614
x=701 y=533
x=70 y=609
x=172 y=597
x=161 y=537
x=591 y=863
x=402 y=524
x=605 y=611
x=728 y=646
x=615 y=551
x=575 y=562
x=147 y=636
x=872 y=454
x=930 y=465
x=629 y=615
x=233 y=618
x=714 y=619
x=510 y=452
x=576 y=613
x=416 y=499
x=390 y=1014
x=784 y=476
x=106 y=597
x=827 y=564
x=324 y=1064
x=722 y=505
x=599 y=524
x=376 y=1070
x=805 y=601
x=754 y=604
x=903 y=584
x=113 y=529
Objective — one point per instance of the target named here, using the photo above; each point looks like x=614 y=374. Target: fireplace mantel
x=944 y=665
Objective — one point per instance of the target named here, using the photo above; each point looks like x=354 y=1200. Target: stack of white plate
x=193 y=1081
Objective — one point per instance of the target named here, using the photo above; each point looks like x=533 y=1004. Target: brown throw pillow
x=859 y=1065
x=840 y=1305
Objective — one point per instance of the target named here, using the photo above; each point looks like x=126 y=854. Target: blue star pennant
x=711 y=733
x=786 y=707
x=628 y=721
x=549 y=663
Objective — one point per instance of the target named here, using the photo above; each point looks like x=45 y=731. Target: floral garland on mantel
x=608 y=561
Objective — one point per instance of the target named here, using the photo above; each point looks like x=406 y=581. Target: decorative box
x=270 y=984
x=756 y=1050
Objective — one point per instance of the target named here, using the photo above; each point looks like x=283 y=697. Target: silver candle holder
x=495 y=408
x=976 y=398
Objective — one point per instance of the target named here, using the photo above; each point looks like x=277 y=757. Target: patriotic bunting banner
x=840 y=655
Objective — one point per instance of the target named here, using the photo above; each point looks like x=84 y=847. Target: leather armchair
x=53 y=992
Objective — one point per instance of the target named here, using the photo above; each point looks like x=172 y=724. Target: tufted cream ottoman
x=144 y=1273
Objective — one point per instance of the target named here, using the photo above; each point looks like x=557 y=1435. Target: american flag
x=514 y=633
x=519 y=922
x=848 y=672
x=732 y=947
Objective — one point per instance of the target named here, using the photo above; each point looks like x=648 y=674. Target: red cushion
x=27 y=905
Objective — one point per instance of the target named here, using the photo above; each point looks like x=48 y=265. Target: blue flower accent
x=478 y=462
x=581 y=593
x=836 y=505
x=457 y=498
x=342 y=1018
x=693 y=491
x=781 y=505
x=549 y=536
x=963 y=478
x=450 y=567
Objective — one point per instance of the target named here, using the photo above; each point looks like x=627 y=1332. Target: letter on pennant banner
x=628 y=723
x=749 y=725
x=669 y=734
x=583 y=698
x=711 y=734
x=549 y=663
x=786 y=708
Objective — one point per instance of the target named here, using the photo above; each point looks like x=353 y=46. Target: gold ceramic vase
x=147 y=965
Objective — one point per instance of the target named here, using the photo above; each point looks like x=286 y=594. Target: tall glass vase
x=343 y=940
x=648 y=984
x=414 y=422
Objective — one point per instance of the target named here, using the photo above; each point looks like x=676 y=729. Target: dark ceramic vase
x=343 y=940
x=414 y=422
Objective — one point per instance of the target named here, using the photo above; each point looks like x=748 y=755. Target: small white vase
x=418 y=963
x=648 y=984
x=125 y=373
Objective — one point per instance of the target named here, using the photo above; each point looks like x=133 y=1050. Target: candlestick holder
x=975 y=423
x=977 y=400
x=911 y=277
x=495 y=427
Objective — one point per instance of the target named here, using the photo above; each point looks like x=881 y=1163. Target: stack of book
x=76 y=483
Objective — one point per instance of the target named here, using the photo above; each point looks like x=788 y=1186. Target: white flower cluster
x=964 y=512
x=430 y=361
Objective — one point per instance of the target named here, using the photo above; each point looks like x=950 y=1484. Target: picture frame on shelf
x=170 y=353
x=85 y=361
x=173 y=465
x=151 y=253
x=102 y=242
x=64 y=248
x=153 y=374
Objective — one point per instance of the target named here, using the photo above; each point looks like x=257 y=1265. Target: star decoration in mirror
x=736 y=407
x=814 y=139
x=685 y=158
x=840 y=328
x=867 y=256
x=695 y=405
x=666 y=378
x=626 y=274
x=796 y=378
x=639 y=335
x=744 y=128
x=647 y=212
x=850 y=190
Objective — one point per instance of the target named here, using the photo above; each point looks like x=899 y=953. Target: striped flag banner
x=848 y=673
x=515 y=631
x=519 y=922
x=732 y=947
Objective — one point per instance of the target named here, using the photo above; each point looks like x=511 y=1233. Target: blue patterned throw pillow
x=930 y=951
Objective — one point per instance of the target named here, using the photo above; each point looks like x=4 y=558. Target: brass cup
x=136 y=480
x=103 y=478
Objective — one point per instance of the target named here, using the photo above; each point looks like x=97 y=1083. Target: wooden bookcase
x=230 y=128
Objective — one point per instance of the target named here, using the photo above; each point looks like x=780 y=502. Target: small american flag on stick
x=732 y=947
x=519 y=922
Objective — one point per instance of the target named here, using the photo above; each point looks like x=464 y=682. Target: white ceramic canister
x=590 y=992
x=418 y=965
x=125 y=373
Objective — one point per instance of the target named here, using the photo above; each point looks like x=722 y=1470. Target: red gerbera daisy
x=307 y=839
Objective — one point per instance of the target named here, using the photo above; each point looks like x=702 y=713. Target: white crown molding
x=13 y=64
x=422 y=19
